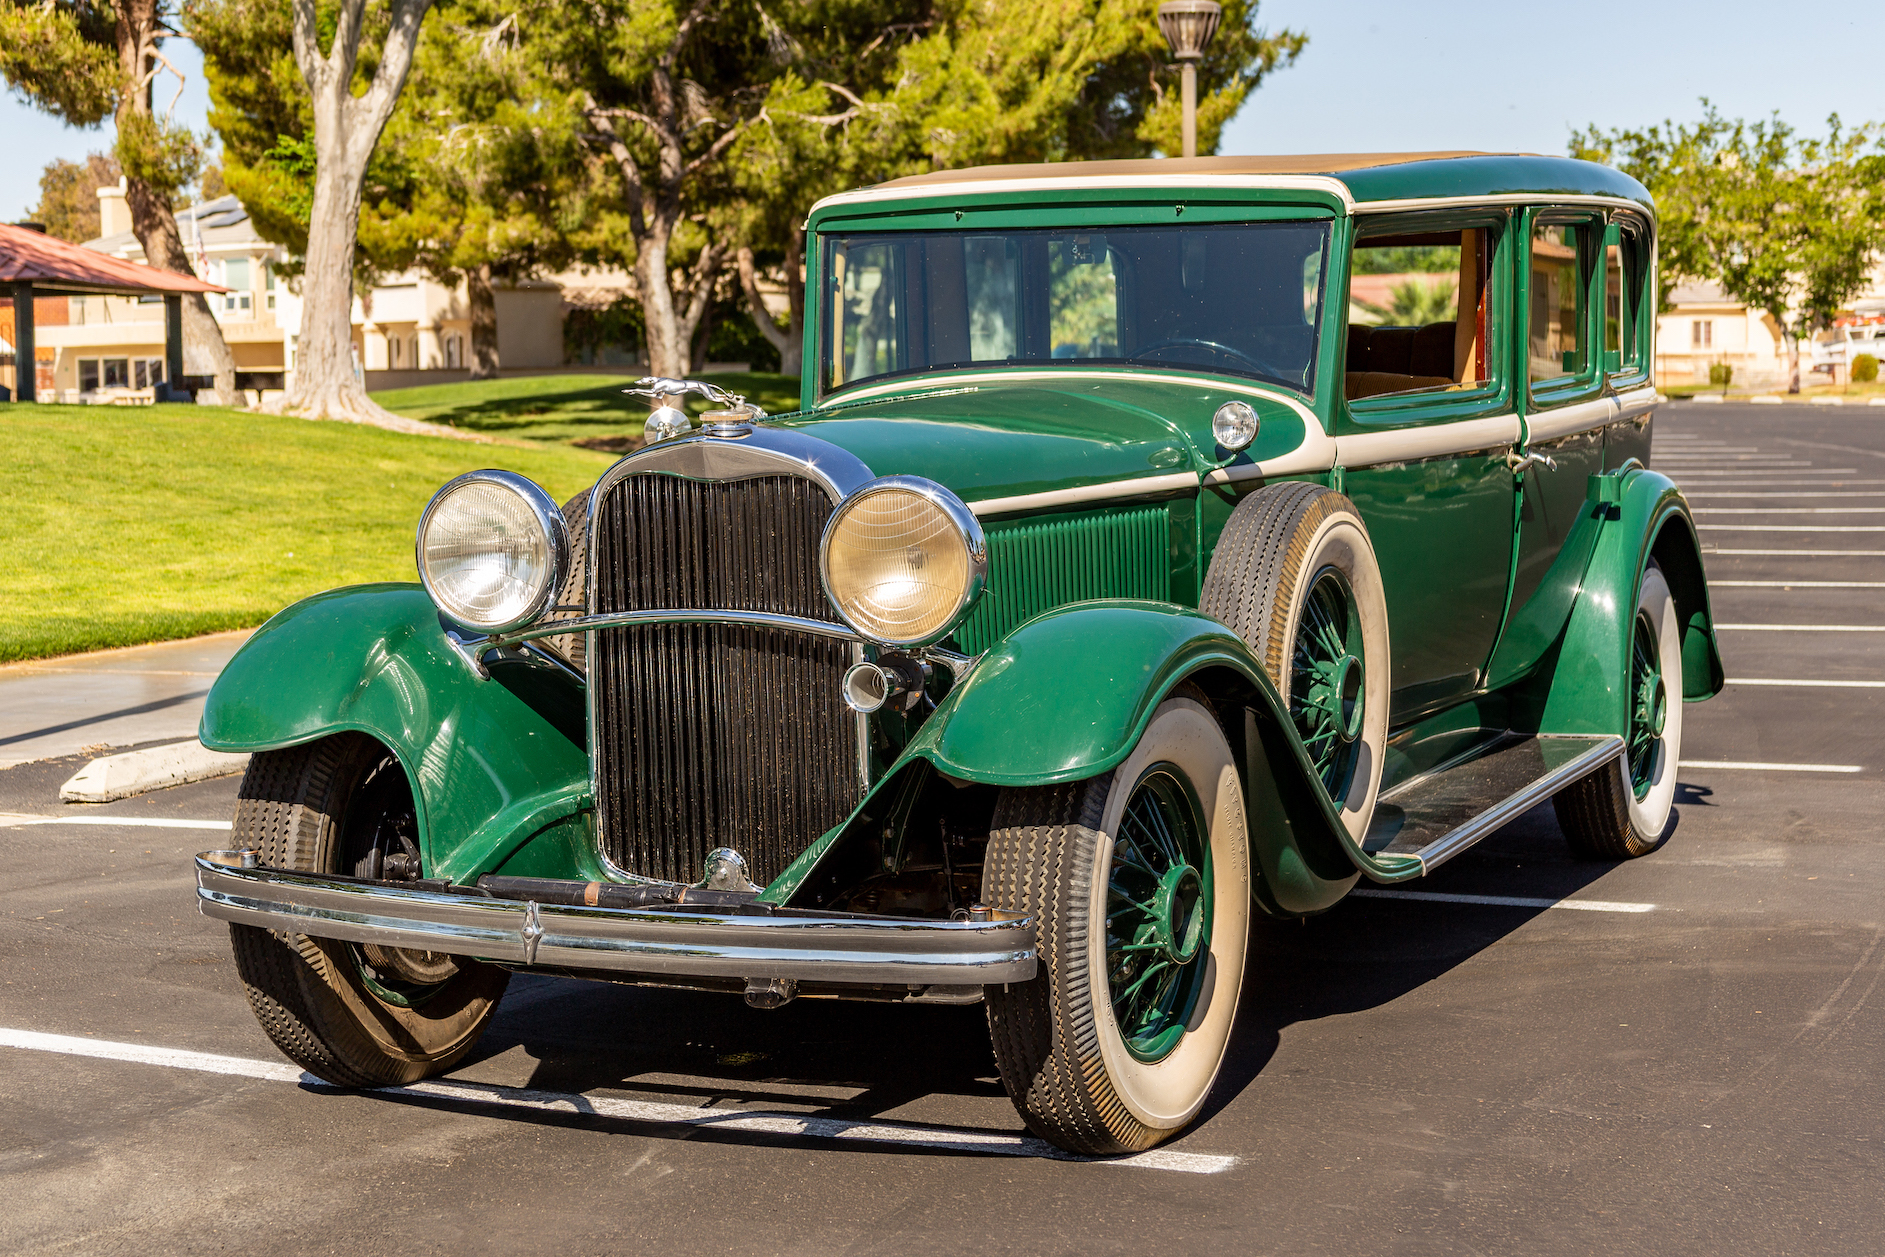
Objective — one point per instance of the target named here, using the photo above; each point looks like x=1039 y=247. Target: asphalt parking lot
x=1693 y=1067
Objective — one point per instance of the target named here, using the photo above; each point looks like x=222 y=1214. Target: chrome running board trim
x=1560 y=760
x=837 y=948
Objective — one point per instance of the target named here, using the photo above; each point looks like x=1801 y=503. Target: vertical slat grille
x=716 y=735
x=1039 y=565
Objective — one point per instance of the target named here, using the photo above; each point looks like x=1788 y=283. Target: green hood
x=1007 y=436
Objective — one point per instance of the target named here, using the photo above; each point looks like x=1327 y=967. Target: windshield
x=1241 y=298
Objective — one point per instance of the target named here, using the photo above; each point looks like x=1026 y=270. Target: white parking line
x=954 y=1139
x=1805 y=493
x=1793 y=527
x=1504 y=901
x=1726 y=483
x=1736 y=765
x=1830 y=685
x=1790 y=510
x=1799 y=471
x=1809 y=554
x=12 y=819
x=1796 y=584
x=1804 y=628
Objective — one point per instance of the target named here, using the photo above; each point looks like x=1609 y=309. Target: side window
x=866 y=334
x=1626 y=270
x=1417 y=313
x=1562 y=257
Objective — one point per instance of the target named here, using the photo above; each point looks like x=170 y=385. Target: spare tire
x=1295 y=576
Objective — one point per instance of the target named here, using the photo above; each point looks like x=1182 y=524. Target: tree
x=68 y=195
x=484 y=170
x=85 y=60
x=1786 y=223
x=346 y=130
x=869 y=94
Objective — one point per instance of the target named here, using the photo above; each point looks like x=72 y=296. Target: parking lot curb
x=138 y=772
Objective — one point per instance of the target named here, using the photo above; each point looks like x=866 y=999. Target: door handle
x=1522 y=463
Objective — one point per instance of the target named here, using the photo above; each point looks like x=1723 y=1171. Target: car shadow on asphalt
x=854 y=1061
x=1366 y=953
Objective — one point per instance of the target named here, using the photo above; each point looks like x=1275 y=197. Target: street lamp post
x=1188 y=26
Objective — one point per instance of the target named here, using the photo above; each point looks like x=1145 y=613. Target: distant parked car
x=1119 y=579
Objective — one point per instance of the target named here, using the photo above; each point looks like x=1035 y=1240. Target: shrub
x=1720 y=373
x=1864 y=369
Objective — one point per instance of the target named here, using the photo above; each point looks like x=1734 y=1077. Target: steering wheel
x=1232 y=357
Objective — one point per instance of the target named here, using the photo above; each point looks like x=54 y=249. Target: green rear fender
x=1067 y=695
x=1643 y=517
x=493 y=762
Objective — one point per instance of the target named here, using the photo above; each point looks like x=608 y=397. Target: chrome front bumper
x=663 y=942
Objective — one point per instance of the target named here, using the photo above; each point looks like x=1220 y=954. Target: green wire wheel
x=1622 y=810
x=1158 y=913
x=1328 y=695
x=1139 y=884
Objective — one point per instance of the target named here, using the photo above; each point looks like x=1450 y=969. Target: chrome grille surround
x=731 y=721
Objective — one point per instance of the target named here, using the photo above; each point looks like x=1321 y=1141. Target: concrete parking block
x=154 y=768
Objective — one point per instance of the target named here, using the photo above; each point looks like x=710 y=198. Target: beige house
x=1705 y=326
x=407 y=330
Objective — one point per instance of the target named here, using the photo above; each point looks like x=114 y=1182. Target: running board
x=1437 y=815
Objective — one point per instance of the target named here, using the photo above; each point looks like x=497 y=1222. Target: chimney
x=114 y=213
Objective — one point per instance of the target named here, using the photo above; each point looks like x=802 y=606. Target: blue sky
x=1390 y=76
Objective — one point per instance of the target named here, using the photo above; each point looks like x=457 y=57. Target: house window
x=394 y=344
x=236 y=276
x=88 y=375
x=454 y=351
x=147 y=372
x=117 y=372
x=1701 y=334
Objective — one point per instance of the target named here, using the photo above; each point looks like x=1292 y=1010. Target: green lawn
x=138 y=524
x=562 y=409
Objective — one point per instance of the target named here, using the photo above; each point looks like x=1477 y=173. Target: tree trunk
x=483 y=304
x=205 y=352
x=787 y=340
x=667 y=350
x=346 y=129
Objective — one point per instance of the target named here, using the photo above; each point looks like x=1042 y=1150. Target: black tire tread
x=575 y=591
x=1594 y=813
x=1258 y=565
x=1040 y=861
x=285 y=800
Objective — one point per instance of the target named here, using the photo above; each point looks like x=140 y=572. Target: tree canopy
x=1785 y=222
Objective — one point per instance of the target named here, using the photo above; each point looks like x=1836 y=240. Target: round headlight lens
x=903 y=559
x=493 y=550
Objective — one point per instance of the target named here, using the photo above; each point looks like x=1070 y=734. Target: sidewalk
x=110 y=698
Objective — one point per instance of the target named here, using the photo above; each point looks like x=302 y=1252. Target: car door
x=1423 y=433
x=1573 y=347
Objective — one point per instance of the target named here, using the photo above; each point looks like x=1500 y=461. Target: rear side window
x=1563 y=255
x=1626 y=271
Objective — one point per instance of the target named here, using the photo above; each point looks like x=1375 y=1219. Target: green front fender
x=1067 y=696
x=1642 y=516
x=493 y=761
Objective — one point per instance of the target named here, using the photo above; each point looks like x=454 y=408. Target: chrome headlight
x=493 y=550
x=903 y=559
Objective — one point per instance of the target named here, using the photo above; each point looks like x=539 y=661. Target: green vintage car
x=1159 y=544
